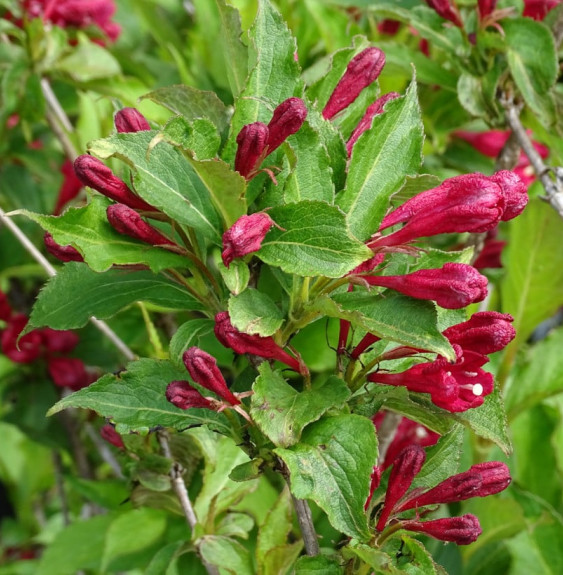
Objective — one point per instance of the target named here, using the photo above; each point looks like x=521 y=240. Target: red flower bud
x=5 y=308
x=69 y=372
x=95 y=174
x=490 y=255
x=245 y=236
x=452 y=286
x=485 y=332
x=108 y=433
x=374 y=484
x=366 y=341
x=183 y=395
x=25 y=350
x=252 y=141
x=389 y=27
x=461 y=530
x=242 y=343
x=405 y=468
x=58 y=341
x=496 y=477
x=69 y=189
x=514 y=191
x=203 y=369
x=363 y=69
x=538 y=9
x=365 y=123
x=130 y=120
x=287 y=119
x=486 y=7
x=129 y=223
x=62 y=253
x=447 y=10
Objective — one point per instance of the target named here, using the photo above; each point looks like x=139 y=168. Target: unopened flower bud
x=109 y=434
x=252 y=141
x=447 y=10
x=405 y=468
x=461 y=530
x=129 y=223
x=363 y=69
x=485 y=332
x=95 y=174
x=203 y=369
x=514 y=191
x=69 y=189
x=365 y=123
x=183 y=395
x=58 y=341
x=287 y=119
x=452 y=286
x=69 y=372
x=62 y=253
x=130 y=120
x=496 y=477
x=26 y=349
x=486 y=7
x=245 y=236
x=243 y=343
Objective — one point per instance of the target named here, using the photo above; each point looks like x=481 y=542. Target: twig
x=386 y=433
x=44 y=263
x=307 y=526
x=103 y=450
x=553 y=187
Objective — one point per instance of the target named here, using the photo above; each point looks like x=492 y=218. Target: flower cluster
x=479 y=480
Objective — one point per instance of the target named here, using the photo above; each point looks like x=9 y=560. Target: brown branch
x=305 y=518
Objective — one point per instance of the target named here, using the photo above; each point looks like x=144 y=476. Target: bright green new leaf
x=319 y=565
x=88 y=61
x=135 y=400
x=255 y=312
x=227 y=554
x=77 y=293
x=281 y=413
x=101 y=245
x=332 y=465
x=313 y=241
x=409 y=556
x=188 y=335
x=199 y=137
x=165 y=179
x=381 y=159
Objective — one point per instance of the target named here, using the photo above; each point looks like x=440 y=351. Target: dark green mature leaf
x=227 y=554
x=101 y=245
x=532 y=60
x=188 y=335
x=409 y=556
x=281 y=413
x=381 y=159
x=332 y=465
x=274 y=73
x=192 y=104
x=135 y=400
x=165 y=179
x=396 y=317
x=255 y=312
x=319 y=565
x=531 y=288
x=77 y=293
x=313 y=240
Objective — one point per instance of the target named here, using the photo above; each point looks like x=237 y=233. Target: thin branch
x=54 y=104
x=50 y=270
x=553 y=187
x=307 y=526
x=103 y=450
x=386 y=433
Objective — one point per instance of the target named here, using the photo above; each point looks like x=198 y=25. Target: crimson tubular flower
x=183 y=395
x=129 y=223
x=288 y=117
x=62 y=253
x=447 y=9
x=69 y=189
x=130 y=120
x=245 y=236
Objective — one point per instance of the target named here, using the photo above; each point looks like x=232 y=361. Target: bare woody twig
x=307 y=526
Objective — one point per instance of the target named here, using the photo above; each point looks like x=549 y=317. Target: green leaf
x=281 y=413
x=163 y=559
x=332 y=466
x=255 y=312
x=236 y=276
x=410 y=556
x=188 y=335
x=77 y=293
x=375 y=558
x=381 y=158
x=101 y=245
x=313 y=240
x=393 y=316
x=235 y=525
x=319 y=565
x=165 y=179
x=192 y=104
x=311 y=178
x=88 y=61
x=199 y=137
x=135 y=400
x=532 y=60
x=274 y=73
x=227 y=554
x=531 y=287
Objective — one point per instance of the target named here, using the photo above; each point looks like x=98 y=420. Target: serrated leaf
x=254 y=312
x=281 y=412
x=199 y=137
x=192 y=104
x=332 y=466
x=313 y=240
x=165 y=179
x=135 y=400
x=381 y=159
x=392 y=316
x=101 y=245
x=410 y=556
x=188 y=335
x=319 y=565
x=227 y=554
x=77 y=293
